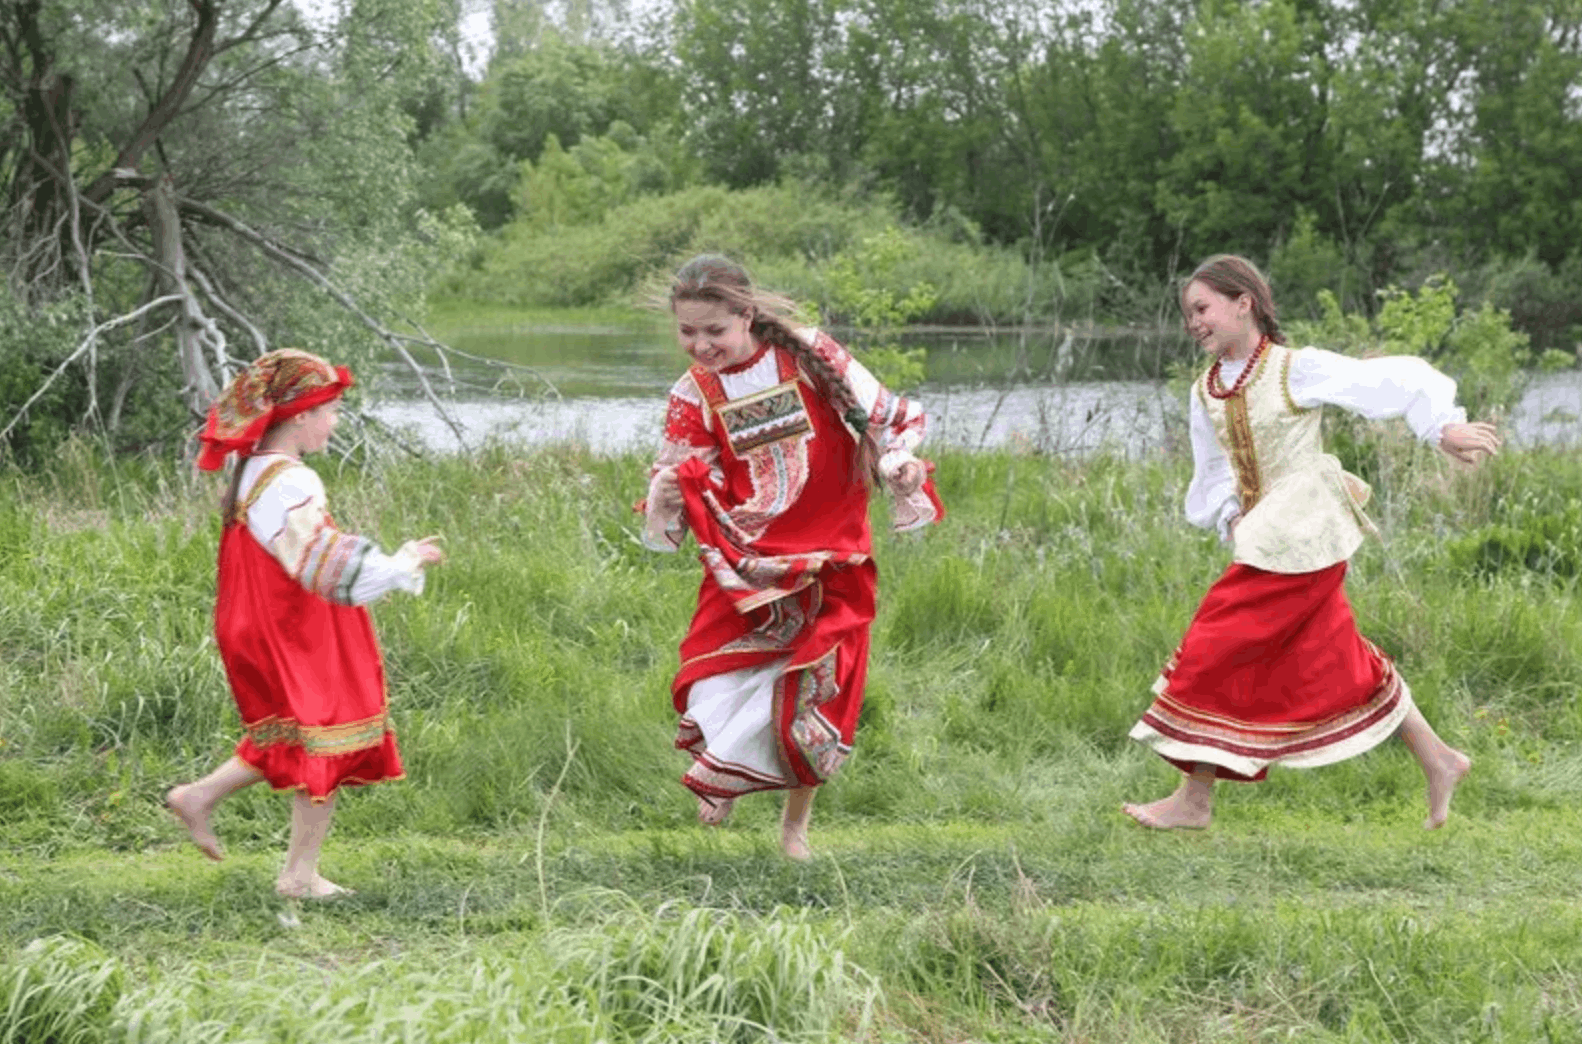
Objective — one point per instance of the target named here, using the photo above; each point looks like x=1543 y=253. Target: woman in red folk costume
x=772 y=440
x=1272 y=670
x=299 y=649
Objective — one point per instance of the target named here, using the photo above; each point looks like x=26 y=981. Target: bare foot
x=1176 y=812
x=793 y=842
x=195 y=817
x=712 y=811
x=1442 y=779
x=316 y=888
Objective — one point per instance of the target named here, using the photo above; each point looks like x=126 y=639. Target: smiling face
x=715 y=337
x=1221 y=324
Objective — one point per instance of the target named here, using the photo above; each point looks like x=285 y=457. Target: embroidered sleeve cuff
x=378 y=574
x=662 y=528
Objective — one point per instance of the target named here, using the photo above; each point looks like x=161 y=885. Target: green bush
x=33 y=343
x=792 y=236
x=60 y=991
x=1548 y=543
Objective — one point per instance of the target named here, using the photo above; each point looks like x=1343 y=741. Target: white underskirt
x=735 y=712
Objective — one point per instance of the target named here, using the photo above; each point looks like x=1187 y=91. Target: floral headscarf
x=275 y=386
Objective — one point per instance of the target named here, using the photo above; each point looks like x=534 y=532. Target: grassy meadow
x=539 y=875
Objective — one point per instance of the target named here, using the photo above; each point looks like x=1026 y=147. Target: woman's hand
x=908 y=478
x=1466 y=441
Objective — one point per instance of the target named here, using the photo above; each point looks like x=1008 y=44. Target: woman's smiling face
x=715 y=337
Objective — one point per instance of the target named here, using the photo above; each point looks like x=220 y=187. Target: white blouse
x=1378 y=389
x=290 y=519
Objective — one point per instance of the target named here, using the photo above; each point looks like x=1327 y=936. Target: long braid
x=233 y=489
x=827 y=383
x=712 y=277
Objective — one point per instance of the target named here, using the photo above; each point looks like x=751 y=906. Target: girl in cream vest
x=1271 y=669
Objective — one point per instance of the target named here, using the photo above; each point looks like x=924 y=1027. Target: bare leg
x=793 y=824
x=1442 y=764
x=193 y=803
x=1189 y=808
x=310 y=825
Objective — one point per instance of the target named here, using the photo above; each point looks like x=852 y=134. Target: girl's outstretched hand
x=1466 y=442
x=427 y=550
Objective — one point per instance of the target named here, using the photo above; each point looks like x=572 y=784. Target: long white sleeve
x=1211 y=500
x=1378 y=389
x=290 y=520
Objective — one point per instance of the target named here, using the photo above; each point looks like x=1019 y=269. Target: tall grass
x=538 y=876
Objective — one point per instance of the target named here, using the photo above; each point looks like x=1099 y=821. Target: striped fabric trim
x=1285 y=384
x=320 y=741
x=332 y=562
x=1182 y=734
x=244 y=504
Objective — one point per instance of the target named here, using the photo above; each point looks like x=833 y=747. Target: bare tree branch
x=317 y=278
x=200 y=48
x=429 y=342
x=196 y=335
x=92 y=338
x=259 y=340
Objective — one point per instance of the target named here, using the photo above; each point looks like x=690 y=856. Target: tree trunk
x=194 y=331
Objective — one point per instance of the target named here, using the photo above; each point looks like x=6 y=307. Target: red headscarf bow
x=277 y=385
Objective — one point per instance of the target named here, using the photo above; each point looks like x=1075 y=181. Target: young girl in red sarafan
x=1272 y=669
x=771 y=441
x=298 y=646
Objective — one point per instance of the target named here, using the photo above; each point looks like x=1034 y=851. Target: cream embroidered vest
x=1300 y=511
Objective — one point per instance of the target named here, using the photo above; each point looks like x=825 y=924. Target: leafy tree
x=208 y=179
x=1248 y=121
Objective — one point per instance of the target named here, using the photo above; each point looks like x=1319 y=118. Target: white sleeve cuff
x=1227 y=514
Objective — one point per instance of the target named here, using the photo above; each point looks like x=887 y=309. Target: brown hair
x=718 y=279
x=1232 y=275
x=233 y=488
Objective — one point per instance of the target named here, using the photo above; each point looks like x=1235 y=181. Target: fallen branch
x=503 y=364
x=91 y=339
x=259 y=340
x=317 y=278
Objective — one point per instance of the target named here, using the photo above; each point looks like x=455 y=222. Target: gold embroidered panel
x=764 y=417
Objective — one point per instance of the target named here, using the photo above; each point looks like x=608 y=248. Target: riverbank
x=976 y=880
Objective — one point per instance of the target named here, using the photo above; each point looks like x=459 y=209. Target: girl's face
x=715 y=337
x=316 y=425
x=1215 y=321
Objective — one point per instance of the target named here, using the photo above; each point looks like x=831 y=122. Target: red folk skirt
x=306 y=674
x=1273 y=671
x=816 y=615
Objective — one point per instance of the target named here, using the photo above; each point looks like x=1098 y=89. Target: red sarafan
x=772 y=440
x=289 y=620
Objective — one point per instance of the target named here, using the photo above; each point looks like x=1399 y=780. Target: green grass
x=449 y=318
x=539 y=877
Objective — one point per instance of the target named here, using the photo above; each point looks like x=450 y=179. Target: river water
x=1057 y=392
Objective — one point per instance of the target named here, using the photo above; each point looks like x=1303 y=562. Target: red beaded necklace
x=1217 y=389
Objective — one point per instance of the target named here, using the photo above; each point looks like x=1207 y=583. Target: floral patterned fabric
x=275 y=386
